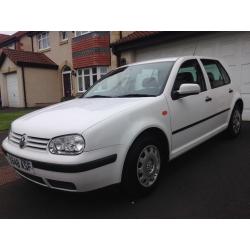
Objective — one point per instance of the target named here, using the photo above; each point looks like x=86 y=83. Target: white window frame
x=41 y=38
x=91 y=74
x=61 y=37
x=81 y=33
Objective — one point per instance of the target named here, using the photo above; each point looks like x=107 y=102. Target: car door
x=189 y=113
x=220 y=92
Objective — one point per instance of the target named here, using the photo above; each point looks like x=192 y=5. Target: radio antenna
x=195 y=48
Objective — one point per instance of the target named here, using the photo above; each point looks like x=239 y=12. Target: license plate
x=23 y=165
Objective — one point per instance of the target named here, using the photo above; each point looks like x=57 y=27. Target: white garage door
x=232 y=47
x=12 y=88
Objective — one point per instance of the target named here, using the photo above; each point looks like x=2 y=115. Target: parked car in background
x=127 y=126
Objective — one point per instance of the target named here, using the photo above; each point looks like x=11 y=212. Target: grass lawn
x=7 y=117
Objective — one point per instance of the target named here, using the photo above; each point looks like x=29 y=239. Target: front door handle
x=230 y=91
x=208 y=99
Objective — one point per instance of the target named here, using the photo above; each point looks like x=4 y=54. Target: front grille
x=32 y=142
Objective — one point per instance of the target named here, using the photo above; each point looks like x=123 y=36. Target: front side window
x=140 y=80
x=216 y=73
x=88 y=76
x=63 y=35
x=190 y=72
x=43 y=40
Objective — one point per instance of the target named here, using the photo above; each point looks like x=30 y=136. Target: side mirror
x=187 y=89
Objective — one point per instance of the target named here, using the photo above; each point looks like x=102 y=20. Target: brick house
x=79 y=58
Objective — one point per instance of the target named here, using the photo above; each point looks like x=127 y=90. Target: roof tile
x=20 y=57
x=9 y=38
x=136 y=35
x=3 y=37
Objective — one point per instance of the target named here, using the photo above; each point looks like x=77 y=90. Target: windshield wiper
x=99 y=96
x=136 y=95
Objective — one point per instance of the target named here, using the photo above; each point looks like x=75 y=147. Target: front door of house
x=67 y=84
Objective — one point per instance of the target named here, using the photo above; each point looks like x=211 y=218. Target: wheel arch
x=156 y=132
x=148 y=131
x=239 y=102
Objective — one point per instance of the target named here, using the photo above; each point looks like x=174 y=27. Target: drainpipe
x=118 y=55
x=24 y=88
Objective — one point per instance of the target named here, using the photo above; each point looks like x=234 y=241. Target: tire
x=234 y=126
x=143 y=165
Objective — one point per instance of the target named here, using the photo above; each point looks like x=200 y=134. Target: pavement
x=210 y=181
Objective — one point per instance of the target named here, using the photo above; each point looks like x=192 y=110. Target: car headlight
x=67 y=145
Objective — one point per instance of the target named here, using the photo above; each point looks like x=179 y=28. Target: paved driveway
x=211 y=181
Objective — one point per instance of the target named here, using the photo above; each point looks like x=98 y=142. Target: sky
x=7 y=32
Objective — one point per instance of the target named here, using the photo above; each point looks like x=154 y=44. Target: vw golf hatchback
x=127 y=126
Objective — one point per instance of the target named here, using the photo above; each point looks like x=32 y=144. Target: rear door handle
x=208 y=99
x=230 y=91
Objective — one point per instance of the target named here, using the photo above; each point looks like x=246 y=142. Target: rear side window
x=216 y=73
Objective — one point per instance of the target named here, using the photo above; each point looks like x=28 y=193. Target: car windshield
x=142 y=80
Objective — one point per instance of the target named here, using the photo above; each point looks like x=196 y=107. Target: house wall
x=59 y=52
x=42 y=86
x=24 y=44
x=130 y=56
x=115 y=36
x=9 y=67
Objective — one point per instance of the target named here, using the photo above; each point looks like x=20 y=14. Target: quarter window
x=190 y=72
x=88 y=76
x=43 y=40
x=216 y=73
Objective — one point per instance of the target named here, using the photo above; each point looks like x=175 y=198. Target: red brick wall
x=91 y=49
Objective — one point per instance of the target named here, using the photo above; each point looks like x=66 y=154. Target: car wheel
x=234 y=126
x=143 y=166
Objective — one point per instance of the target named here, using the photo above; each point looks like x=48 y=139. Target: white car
x=127 y=126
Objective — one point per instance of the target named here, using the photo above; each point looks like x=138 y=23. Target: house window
x=80 y=33
x=43 y=40
x=63 y=36
x=88 y=76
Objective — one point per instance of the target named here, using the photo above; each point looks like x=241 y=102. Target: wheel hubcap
x=236 y=121
x=148 y=165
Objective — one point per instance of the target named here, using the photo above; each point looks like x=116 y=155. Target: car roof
x=170 y=59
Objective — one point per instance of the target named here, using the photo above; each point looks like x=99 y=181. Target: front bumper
x=96 y=169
